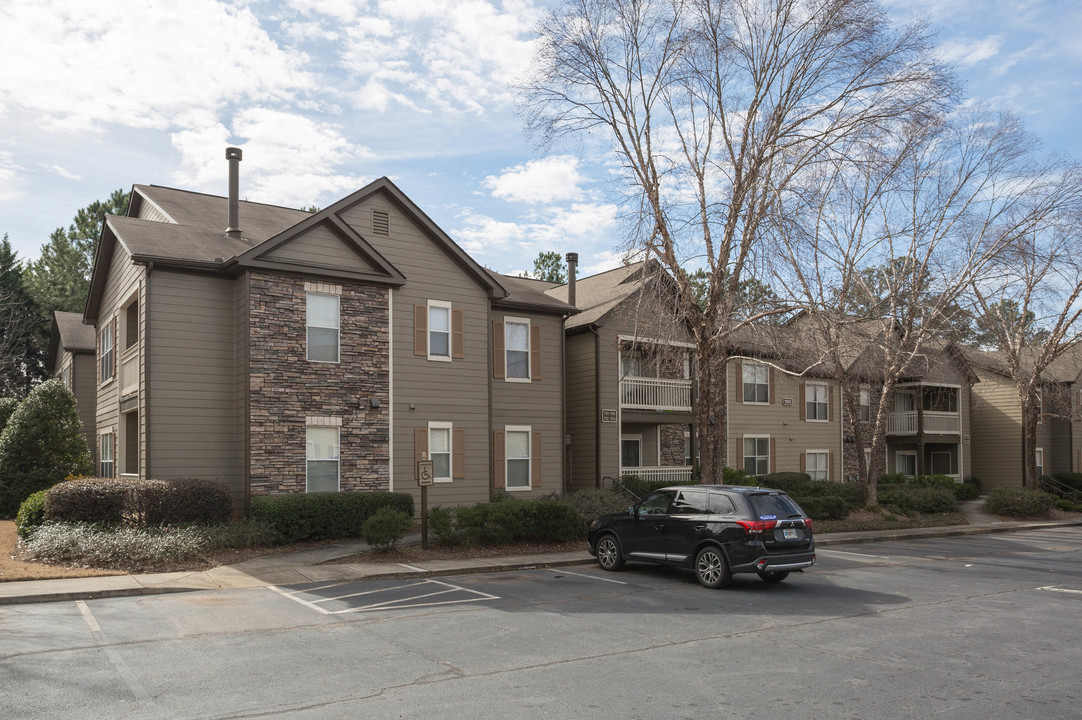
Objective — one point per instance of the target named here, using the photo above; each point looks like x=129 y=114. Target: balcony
x=675 y=475
x=935 y=423
x=129 y=371
x=642 y=393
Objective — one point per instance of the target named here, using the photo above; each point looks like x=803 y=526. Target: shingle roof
x=73 y=334
x=530 y=294
x=597 y=295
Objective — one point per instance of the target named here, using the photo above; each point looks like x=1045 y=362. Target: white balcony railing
x=129 y=371
x=676 y=474
x=935 y=423
x=640 y=393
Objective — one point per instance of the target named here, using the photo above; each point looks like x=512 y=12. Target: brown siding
x=996 y=432
x=581 y=410
x=320 y=246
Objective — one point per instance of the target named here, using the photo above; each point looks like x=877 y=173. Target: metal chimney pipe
x=234 y=156
x=572 y=265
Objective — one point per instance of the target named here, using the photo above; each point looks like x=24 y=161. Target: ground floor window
x=518 y=457
x=1040 y=462
x=905 y=463
x=818 y=464
x=105 y=455
x=439 y=450
x=322 y=459
x=757 y=455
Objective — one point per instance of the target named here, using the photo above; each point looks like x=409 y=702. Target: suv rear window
x=774 y=505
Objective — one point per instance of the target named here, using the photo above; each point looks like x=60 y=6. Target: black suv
x=716 y=530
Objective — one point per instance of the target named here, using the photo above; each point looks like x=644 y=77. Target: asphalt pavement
x=306 y=566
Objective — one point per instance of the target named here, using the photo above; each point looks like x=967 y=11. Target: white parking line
x=1053 y=588
x=828 y=553
x=291 y=596
x=404 y=602
x=88 y=617
x=591 y=577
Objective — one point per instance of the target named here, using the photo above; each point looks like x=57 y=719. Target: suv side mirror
x=631 y=511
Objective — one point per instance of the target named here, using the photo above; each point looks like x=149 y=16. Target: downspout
x=146 y=366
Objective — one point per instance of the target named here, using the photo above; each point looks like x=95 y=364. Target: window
x=631 y=451
x=322 y=327
x=657 y=503
x=942 y=463
x=817 y=464
x=691 y=502
x=757 y=455
x=518 y=458
x=940 y=399
x=105 y=455
x=1040 y=463
x=439 y=450
x=517 y=347
x=130 y=335
x=322 y=458
x=439 y=330
x=631 y=363
x=65 y=376
x=721 y=504
x=904 y=402
x=817 y=403
x=1040 y=407
x=905 y=463
x=865 y=405
x=106 y=351
x=756 y=383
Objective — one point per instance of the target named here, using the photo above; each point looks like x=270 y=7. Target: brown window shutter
x=420 y=330
x=803 y=401
x=535 y=460
x=499 y=359
x=420 y=447
x=803 y=462
x=458 y=453
x=535 y=352
x=499 y=454
x=830 y=403
x=773 y=456
x=458 y=334
x=739 y=450
x=830 y=466
x=738 y=382
x=773 y=382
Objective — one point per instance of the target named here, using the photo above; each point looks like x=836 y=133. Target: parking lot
x=982 y=626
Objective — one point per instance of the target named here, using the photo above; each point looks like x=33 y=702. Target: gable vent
x=381 y=223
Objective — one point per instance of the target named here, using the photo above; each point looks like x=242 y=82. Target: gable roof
x=530 y=294
x=69 y=333
x=1067 y=368
x=598 y=295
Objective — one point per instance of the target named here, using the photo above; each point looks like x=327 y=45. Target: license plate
x=789 y=534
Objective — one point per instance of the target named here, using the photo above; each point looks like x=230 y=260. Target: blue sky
x=326 y=95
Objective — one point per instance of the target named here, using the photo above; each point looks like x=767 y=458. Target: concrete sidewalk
x=305 y=566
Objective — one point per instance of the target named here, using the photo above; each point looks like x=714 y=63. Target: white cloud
x=9 y=172
x=600 y=262
x=546 y=180
x=581 y=226
x=967 y=53
x=64 y=173
x=86 y=64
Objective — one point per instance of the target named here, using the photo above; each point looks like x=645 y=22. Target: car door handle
x=700 y=528
x=659 y=526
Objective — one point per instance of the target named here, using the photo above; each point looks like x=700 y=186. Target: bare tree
x=1028 y=302
x=883 y=256
x=718 y=113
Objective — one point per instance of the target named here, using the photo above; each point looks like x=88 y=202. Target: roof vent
x=381 y=223
x=234 y=156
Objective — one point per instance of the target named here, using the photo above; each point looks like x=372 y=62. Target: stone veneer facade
x=287 y=393
x=672 y=445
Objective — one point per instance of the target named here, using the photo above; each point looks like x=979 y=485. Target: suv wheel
x=773 y=575
x=609 y=556
x=711 y=568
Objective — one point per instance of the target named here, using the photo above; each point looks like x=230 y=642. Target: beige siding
x=319 y=246
x=428 y=390
x=996 y=432
x=241 y=387
x=609 y=392
x=537 y=403
x=582 y=410
x=193 y=380
x=84 y=388
x=791 y=436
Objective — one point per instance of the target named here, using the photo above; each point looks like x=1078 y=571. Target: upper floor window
x=631 y=363
x=817 y=401
x=65 y=376
x=106 y=352
x=130 y=333
x=439 y=330
x=517 y=347
x=865 y=405
x=756 y=383
x=323 y=325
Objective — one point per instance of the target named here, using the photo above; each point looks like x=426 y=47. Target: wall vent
x=381 y=223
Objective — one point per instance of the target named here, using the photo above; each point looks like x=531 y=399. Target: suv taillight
x=752 y=527
x=808 y=523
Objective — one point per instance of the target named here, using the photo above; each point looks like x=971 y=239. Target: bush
x=908 y=500
x=7 y=407
x=826 y=507
x=734 y=476
x=139 y=503
x=385 y=527
x=88 y=500
x=973 y=481
x=1020 y=503
x=541 y=520
x=119 y=548
x=42 y=444
x=322 y=516
x=966 y=491
x=31 y=514
x=1068 y=506
x=786 y=481
x=591 y=503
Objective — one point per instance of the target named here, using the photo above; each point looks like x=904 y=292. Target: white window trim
x=450 y=428
x=111 y=326
x=865 y=393
x=1039 y=456
x=633 y=438
x=337 y=328
x=1040 y=407
x=323 y=423
x=807 y=390
x=905 y=453
x=743 y=369
x=529 y=350
x=743 y=457
x=826 y=456
x=450 y=330
x=528 y=429
x=112 y=451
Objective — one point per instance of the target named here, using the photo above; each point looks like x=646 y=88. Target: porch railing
x=639 y=393
x=676 y=474
x=935 y=423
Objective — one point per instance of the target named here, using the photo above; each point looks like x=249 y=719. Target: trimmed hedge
x=969 y=489
x=826 y=507
x=908 y=499
x=1020 y=503
x=787 y=481
x=540 y=520
x=138 y=503
x=31 y=514
x=385 y=527
x=324 y=516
